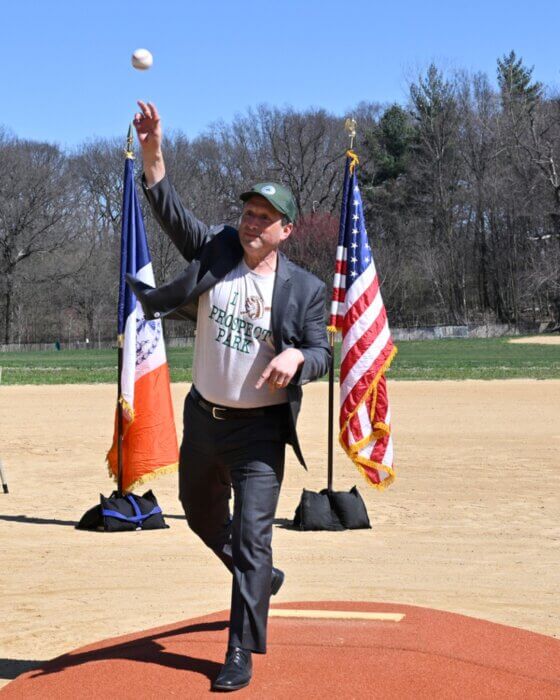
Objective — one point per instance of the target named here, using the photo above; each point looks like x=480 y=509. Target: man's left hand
x=280 y=370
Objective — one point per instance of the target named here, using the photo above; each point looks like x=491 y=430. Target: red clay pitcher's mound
x=399 y=652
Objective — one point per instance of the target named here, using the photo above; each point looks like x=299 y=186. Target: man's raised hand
x=148 y=128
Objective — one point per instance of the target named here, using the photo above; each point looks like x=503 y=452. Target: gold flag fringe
x=160 y=471
x=168 y=469
x=379 y=430
x=129 y=410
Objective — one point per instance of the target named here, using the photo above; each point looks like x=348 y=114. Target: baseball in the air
x=142 y=59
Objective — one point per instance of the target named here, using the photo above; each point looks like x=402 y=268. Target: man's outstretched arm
x=185 y=230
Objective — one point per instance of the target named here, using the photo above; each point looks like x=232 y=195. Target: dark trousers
x=246 y=454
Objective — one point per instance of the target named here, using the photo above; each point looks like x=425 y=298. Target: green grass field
x=493 y=358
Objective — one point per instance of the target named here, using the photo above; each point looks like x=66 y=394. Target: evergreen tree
x=390 y=143
x=515 y=81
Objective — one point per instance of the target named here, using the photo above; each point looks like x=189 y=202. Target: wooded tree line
x=461 y=186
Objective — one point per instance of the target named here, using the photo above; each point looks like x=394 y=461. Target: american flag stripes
x=358 y=311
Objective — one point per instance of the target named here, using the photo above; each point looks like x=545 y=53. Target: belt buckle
x=217 y=408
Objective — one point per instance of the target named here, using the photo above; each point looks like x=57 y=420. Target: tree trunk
x=8 y=308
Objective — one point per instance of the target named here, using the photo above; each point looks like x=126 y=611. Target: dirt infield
x=470 y=526
x=538 y=340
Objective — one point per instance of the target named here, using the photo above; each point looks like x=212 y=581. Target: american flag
x=358 y=311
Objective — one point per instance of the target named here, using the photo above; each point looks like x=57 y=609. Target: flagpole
x=332 y=335
x=129 y=153
x=350 y=128
x=120 y=343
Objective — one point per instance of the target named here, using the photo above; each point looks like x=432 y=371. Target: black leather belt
x=227 y=413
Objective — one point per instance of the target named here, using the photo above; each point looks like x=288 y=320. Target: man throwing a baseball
x=260 y=336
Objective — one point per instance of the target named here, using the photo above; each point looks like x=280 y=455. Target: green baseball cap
x=279 y=196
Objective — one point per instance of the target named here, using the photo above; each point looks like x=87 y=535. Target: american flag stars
x=356 y=237
x=354 y=253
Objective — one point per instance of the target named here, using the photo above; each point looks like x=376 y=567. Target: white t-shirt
x=234 y=340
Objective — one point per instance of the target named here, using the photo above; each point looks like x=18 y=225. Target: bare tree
x=438 y=180
x=34 y=210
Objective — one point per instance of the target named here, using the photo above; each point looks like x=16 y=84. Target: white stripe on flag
x=339 y=281
x=387 y=419
x=129 y=359
x=137 y=363
x=364 y=362
x=352 y=439
x=365 y=423
x=361 y=325
x=388 y=456
x=360 y=285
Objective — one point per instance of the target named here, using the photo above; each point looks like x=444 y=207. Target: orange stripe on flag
x=150 y=440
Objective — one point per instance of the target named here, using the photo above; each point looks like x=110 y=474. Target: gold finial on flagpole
x=129 y=153
x=350 y=128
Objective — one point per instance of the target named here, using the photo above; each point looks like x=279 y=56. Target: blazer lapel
x=217 y=271
x=280 y=297
x=220 y=260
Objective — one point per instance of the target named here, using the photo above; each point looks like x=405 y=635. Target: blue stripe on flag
x=134 y=246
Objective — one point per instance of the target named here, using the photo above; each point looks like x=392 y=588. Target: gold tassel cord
x=128 y=152
x=354 y=158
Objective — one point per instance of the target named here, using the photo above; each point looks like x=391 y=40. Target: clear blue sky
x=67 y=76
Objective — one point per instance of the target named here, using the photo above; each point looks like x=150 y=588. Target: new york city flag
x=150 y=441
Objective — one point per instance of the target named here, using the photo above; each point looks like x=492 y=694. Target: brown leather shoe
x=237 y=671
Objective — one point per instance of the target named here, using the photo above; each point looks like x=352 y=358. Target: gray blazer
x=298 y=300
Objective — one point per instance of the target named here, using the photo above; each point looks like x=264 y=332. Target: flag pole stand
x=329 y=509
